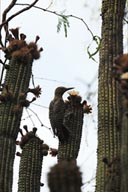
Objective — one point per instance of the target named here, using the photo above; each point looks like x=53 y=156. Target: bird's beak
x=69 y=88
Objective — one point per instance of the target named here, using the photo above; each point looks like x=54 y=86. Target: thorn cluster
x=75 y=99
x=18 y=48
x=27 y=137
x=36 y=91
x=23 y=102
x=53 y=152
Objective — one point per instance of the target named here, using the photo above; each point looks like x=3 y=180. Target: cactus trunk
x=108 y=93
x=32 y=154
x=17 y=79
x=124 y=154
x=70 y=148
x=7 y=153
x=16 y=82
x=73 y=121
x=65 y=177
x=30 y=167
x=121 y=75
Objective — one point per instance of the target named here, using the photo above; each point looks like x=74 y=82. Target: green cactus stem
x=74 y=122
x=65 y=177
x=33 y=150
x=109 y=105
x=20 y=56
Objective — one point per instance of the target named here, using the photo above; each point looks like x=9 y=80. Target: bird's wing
x=51 y=116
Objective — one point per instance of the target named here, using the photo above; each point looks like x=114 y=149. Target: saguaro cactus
x=65 y=177
x=12 y=100
x=108 y=90
x=74 y=121
x=121 y=75
x=33 y=150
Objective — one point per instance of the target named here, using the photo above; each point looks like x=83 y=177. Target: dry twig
x=6 y=21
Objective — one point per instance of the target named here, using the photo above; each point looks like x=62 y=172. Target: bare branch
x=64 y=20
x=125 y=20
x=6 y=21
x=10 y=6
x=19 y=12
x=60 y=15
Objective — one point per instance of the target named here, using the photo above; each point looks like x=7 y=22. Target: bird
x=57 y=112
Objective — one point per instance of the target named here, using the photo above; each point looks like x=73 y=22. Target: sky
x=64 y=62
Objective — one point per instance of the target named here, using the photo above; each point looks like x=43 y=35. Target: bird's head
x=59 y=91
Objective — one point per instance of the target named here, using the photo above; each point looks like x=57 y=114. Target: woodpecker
x=56 y=114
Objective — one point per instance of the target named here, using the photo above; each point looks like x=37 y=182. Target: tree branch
x=60 y=15
x=10 y=6
x=6 y=21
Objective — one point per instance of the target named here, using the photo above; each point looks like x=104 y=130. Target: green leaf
x=63 y=20
x=97 y=40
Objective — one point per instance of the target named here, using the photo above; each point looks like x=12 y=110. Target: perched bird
x=57 y=112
